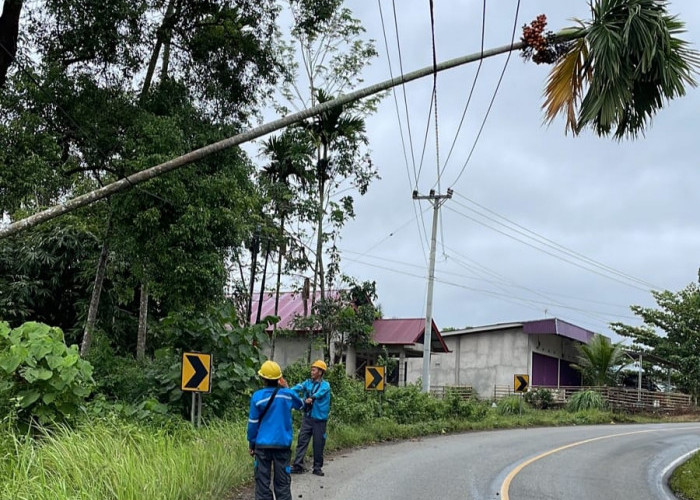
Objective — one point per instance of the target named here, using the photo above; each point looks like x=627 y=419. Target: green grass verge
x=110 y=459
x=685 y=480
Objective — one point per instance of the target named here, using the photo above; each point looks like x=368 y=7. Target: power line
x=545 y=251
x=493 y=98
x=471 y=91
x=552 y=244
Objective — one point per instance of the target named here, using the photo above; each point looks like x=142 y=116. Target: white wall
x=480 y=360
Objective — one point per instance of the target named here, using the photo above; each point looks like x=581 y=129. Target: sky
x=541 y=224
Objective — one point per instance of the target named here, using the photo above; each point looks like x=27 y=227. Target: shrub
x=45 y=378
x=586 y=400
x=539 y=398
x=509 y=406
x=408 y=405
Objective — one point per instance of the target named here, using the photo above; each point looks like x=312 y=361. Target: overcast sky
x=541 y=224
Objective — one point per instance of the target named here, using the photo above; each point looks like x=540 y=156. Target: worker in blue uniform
x=316 y=394
x=270 y=433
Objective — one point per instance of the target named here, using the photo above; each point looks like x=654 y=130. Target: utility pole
x=437 y=200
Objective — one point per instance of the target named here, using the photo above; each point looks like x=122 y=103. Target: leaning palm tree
x=600 y=361
x=620 y=68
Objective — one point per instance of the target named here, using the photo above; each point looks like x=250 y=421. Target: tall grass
x=685 y=480
x=116 y=460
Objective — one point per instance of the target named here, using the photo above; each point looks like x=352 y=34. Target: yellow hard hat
x=319 y=363
x=270 y=370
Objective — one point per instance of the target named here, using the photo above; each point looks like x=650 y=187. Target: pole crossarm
x=254 y=133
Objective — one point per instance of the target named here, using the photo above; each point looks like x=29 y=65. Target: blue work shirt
x=275 y=428
x=320 y=392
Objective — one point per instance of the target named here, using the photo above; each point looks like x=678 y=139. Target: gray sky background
x=541 y=224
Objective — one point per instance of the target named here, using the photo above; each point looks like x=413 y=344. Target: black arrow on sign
x=200 y=372
x=522 y=383
x=376 y=378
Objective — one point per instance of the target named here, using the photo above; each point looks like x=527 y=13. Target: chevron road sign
x=196 y=372
x=520 y=382
x=374 y=378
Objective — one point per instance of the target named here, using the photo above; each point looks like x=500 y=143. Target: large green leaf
x=26 y=398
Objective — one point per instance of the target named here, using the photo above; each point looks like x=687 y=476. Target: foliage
x=45 y=378
x=628 y=63
x=235 y=352
x=43 y=274
x=684 y=481
x=539 y=398
x=671 y=332
x=409 y=404
x=113 y=458
x=510 y=405
x=599 y=361
x=586 y=400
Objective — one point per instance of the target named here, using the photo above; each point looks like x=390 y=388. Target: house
x=400 y=338
x=486 y=357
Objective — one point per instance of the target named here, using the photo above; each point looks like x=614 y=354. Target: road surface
x=578 y=463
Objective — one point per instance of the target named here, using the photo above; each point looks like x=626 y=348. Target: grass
x=117 y=460
x=685 y=480
x=109 y=459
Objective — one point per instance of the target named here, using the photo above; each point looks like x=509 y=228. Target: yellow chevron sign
x=520 y=382
x=196 y=372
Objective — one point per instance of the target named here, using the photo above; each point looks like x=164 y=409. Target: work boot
x=297 y=469
x=318 y=472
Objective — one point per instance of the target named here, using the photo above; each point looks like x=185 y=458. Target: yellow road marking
x=509 y=478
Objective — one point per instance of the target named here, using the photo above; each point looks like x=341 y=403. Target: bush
x=509 y=406
x=539 y=398
x=409 y=405
x=43 y=377
x=586 y=400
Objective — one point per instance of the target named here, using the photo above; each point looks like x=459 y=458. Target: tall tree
x=9 y=31
x=330 y=44
x=672 y=332
x=290 y=157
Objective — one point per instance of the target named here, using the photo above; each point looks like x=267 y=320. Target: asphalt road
x=585 y=462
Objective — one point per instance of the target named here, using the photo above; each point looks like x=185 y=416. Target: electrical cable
x=493 y=98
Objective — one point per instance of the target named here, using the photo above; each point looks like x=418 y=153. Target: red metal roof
x=401 y=331
x=386 y=331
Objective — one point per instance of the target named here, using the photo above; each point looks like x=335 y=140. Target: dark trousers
x=311 y=428
x=270 y=461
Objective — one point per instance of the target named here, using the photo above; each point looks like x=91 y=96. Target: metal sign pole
x=194 y=394
x=199 y=410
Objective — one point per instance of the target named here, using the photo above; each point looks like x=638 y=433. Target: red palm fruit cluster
x=532 y=35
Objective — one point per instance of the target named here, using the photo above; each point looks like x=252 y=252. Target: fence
x=622 y=398
x=464 y=391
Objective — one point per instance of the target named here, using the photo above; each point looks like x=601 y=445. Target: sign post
x=375 y=381
x=196 y=378
x=520 y=384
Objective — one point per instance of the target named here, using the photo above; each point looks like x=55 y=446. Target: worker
x=270 y=433
x=316 y=394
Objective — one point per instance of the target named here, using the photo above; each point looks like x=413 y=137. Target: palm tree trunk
x=96 y=291
x=277 y=286
x=262 y=282
x=267 y=128
x=143 y=318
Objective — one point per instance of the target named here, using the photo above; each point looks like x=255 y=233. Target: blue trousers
x=310 y=427
x=269 y=462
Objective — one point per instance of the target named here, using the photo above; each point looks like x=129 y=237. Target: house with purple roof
x=485 y=357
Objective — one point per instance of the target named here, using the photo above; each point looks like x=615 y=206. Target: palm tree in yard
x=290 y=155
x=599 y=361
x=620 y=68
x=336 y=134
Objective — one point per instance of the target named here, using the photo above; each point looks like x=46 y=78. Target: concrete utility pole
x=437 y=200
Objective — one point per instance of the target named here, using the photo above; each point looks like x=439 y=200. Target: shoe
x=318 y=472
x=297 y=470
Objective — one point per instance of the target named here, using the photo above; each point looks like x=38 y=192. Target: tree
x=626 y=63
x=9 y=31
x=599 y=361
x=671 y=332
x=329 y=42
x=290 y=156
